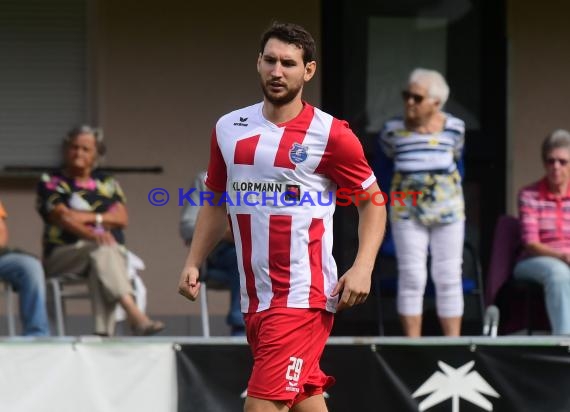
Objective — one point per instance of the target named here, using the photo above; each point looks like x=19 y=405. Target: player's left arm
x=354 y=285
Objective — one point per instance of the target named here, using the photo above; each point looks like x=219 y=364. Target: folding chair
x=207 y=283
x=72 y=286
x=9 y=300
x=63 y=287
x=513 y=297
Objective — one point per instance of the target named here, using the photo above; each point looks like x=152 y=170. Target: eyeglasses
x=418 y=98
x=551 y=160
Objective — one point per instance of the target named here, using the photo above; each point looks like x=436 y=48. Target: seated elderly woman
x=544 y=210
x=84 y=214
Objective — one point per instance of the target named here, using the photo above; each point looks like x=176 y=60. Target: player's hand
x=189 y=286
x=353 y=287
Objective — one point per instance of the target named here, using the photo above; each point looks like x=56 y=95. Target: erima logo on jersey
x=242 y=122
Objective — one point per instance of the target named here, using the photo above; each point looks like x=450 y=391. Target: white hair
x=558 y=139
x=433 y=81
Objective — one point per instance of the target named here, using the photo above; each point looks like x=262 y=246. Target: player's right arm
x=210 y=229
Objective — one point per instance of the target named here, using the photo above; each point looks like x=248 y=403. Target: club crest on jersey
x=298 y=153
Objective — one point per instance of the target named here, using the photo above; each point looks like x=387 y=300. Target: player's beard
x=281 y=99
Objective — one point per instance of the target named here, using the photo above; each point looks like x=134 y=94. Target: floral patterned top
x=98 y=194
x=426 y=163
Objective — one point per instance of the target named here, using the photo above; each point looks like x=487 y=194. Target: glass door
x=370 y=47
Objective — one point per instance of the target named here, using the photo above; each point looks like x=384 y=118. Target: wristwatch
x=98 y=219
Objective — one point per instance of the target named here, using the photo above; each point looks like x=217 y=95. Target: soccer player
x=288 y=150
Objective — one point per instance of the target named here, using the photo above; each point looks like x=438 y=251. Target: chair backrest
x=471 y=270
x=506 y=248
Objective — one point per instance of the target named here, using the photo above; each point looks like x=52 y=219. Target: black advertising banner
x=394 y=377
x=212 y=378
x=476 y=378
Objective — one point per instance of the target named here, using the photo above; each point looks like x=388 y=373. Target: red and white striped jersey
x=284 y=248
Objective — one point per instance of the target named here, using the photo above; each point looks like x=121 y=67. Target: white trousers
x=445 y=243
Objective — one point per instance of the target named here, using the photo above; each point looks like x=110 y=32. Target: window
x=396 y=45
x=43 y=78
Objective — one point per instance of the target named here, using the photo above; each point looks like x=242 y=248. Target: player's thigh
x=314 y=403
x=263 y=405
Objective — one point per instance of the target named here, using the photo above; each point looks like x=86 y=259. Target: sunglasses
x=553 y=160
x=418 y=98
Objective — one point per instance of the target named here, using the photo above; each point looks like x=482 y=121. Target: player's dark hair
x=293 y=34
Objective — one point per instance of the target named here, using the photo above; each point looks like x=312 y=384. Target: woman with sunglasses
x=425 y=146
x=544 y=210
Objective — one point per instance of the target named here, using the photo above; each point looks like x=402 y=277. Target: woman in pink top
x=544 y=209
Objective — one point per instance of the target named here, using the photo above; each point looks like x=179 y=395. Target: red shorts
x=287 y=344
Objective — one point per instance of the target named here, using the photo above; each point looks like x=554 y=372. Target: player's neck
x=278 y=114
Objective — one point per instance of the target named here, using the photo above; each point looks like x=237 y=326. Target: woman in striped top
x=544 y=209
x=425 y=146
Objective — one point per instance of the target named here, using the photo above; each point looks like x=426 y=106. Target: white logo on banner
x=455 y=384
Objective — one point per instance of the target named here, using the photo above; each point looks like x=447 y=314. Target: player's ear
x=259 y=63
x=310 y=69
